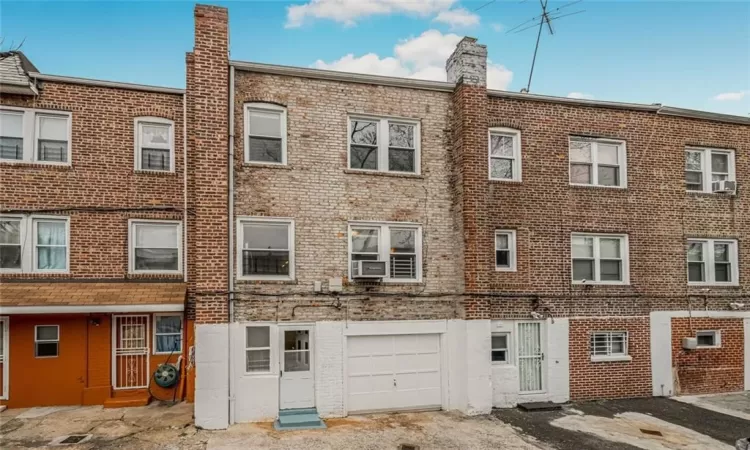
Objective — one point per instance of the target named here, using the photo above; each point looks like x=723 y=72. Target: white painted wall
x=256 y=396
x=329 y=368
x=457 y=365
x=478 y=373
x=747 y=354
x=211 y=377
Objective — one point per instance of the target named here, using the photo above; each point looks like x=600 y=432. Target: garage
x=393 y=372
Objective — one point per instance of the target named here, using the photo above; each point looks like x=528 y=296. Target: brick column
x=467 y=67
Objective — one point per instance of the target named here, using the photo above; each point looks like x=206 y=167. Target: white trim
x=622 y=160
x=611 y=358
x=59 y=114
x=23 y=242
x=383 y=142
x=717 y=338
x=377 y=328
x=138 y=122
x=46 y=341
x=30 y=134
x=28 y=239
x=6 y=357
x=273 y=360
x=34 y=221
x=624 y=258
x=512 y=251
x=269 y=107
x=131 y=245
x=517 y=166
x=508 y=348
x=709 y=263
x=706 y=169
x=384 y=247
x=181 y=334
x=291 y=243
x=44 y=309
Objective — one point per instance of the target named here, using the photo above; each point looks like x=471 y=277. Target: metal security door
x=530 y=357
x=130 y=359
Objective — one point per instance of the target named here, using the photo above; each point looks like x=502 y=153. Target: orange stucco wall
x=82 y=372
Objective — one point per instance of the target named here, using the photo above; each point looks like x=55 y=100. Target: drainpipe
x=184 y=191
x=231 y=242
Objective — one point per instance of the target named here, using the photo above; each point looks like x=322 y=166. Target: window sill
x=505 y=269
x=601 y=283
x=414 y=176
x=710 y=194
x=167 y=173
x=625 y=358
x=35 y=164
x=707 y=347
x=250 y=281
x=258 y=165
x=500 y=180
x=599 y=187
x=714 y=285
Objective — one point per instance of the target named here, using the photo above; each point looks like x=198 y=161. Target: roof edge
x=334 y=75
x=104 y=83
x=703 y=115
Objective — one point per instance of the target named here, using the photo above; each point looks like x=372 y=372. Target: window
x=155 y=247
x=266 y=249
x=608 y=344
x=51 y=245
x=597 y=162
x=265 y=130
x=712 y=261
x=46 y=341
x=167 y=334
x=505 y=154
x=600 y=259
x=10 y=244
x=154 y=145
x=385 y=145
x=708 y=339
x=500 y=346
x=704 y=165
x=34 y=135
x=258 y=349
x=505 y=250
x=34 y=244
x=398 y=244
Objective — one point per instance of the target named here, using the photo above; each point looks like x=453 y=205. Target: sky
x=690 y=54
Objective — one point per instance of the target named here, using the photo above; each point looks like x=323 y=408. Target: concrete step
x=299 y=419
x=291 y=412
x=127 y=401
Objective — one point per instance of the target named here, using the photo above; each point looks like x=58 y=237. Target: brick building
x=365 y=243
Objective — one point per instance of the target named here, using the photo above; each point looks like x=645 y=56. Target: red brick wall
x=709 y=370
x=614 y=379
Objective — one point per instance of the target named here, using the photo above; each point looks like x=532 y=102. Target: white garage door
x=393 y=372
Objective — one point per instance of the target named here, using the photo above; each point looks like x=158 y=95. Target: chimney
x=468 y=63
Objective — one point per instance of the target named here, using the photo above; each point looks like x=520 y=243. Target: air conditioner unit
x=368 y=269
x=724 y=186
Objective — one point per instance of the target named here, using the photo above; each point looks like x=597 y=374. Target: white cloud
x=458 y=18
x=581 y=95
x=731 y=96
x=422 y=57
x=498 y=27
x=348 y=11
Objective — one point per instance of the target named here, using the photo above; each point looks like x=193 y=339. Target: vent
x=71 y=439
x=408 y=447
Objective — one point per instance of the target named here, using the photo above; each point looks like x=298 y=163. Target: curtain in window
x=168 y=334
x=51 y=246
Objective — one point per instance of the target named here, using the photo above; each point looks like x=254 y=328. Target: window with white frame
x=46 y=341
x=712 y=261
x=597 y=162
x=609 y=344
x=708 y=339
x=11 y=243
x=505 y=250
x=505 y=154
x=500 y=348
x=384 y=145
x=34 y=244
x=599 y=259
x=155 y=246
x=705 y=165
x=167 y=333
x=265 y=133
x=398 y=244
x=258 y=349
x=35 y=135
x=154 y=146
x=266 y=248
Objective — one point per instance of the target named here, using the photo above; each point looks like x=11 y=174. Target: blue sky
x=687 y=54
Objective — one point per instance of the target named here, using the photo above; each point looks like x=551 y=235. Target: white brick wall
x=329 y=368
x=211 y=380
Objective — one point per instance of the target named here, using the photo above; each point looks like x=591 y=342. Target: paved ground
x=737 y=405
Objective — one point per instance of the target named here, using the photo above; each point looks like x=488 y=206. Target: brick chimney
x=468 y=63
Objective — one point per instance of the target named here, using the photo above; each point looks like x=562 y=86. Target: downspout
x=231 y=242
x=184 y=190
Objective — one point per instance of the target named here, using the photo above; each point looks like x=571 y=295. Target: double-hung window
x=505 y=250
x=609 y=345
x=167 y=333
x=154 y=146
x=597 y=162
x=34 y=244
x=46 y=341
x=384 y=145
x=712 y=261
x=258 y=349
x=705 y=165
x=265 y=133
x=35 y=136
x=400 y=245
x=500 y=353
x=599 y=259
x=266 y=248
x=505 y=154
x=155 y=246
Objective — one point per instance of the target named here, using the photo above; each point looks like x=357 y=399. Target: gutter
x=230 y=252
x=108 y=84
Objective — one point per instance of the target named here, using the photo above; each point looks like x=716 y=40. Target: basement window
x=500 y=354
x=609 y=346
x=258 y=349
x=46 y=341
x=708 y=339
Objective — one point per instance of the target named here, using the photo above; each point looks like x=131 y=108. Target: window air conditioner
x=724 y=186
x=368 y=269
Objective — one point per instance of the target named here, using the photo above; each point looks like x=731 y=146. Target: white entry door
x=530 y=357
x=393 y=372
x=297 y=369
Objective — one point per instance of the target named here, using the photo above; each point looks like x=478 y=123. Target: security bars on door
x=530 y=356
x=130 y=365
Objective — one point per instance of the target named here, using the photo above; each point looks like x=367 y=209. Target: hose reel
x=166 y=375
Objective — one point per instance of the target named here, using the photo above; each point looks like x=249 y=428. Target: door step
x=298 y=419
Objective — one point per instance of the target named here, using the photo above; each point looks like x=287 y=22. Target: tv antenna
x=545 y=18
